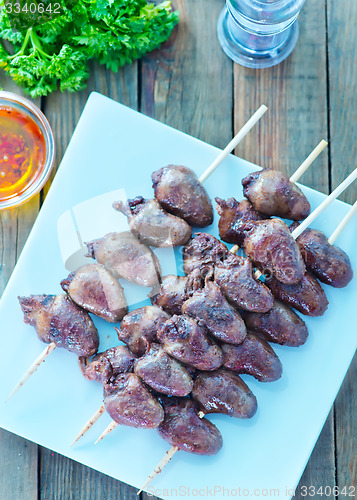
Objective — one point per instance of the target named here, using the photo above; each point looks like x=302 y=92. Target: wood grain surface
x=191 y=85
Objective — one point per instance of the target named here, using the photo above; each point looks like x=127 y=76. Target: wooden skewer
x=352 y=177
x=298 y=173
x=90 y=422
x=234 y=142
x=309 y=160
x=160 y=466
x=343 y=224
x=31 y=370
x=164 y=461
x=107 y=431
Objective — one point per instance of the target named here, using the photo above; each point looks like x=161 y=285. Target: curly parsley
x=114 y=33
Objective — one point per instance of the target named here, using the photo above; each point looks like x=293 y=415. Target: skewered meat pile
x=272 y=193
x=152 y=225
x=171 y=366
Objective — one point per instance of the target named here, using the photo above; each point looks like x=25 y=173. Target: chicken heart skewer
x=59 y=322
x=215 y=392
x=251 y=241
x=181 y=200
x=180 y=192
x=294 y=178
x=138 y=329
x=273 y=194
x=329 y=263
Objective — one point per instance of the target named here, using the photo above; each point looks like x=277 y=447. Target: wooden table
x=191 y=85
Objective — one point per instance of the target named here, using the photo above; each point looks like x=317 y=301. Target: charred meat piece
x=234 y=276
x=97 y=291
x=255 y=357
x=125 y=257
x=210 y=308
x=178 y=191
x=107 y=364
x=307 y=296
x=330 y=264
x=152 y=225
x=139 y=328
x=172 y=294
x=163 y=373
x=183 y=428
x=184 y=339
x=272 y=193
x=270 y=246
x=57 y=319
x=129 y=402
x=224 y=392
x=237 y=217
x=203 y=250
x=280 y=325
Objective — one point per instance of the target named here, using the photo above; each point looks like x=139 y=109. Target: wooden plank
x=296 y=93
x=18 y=457
x=346 y=433
x=320 y=470
x=188 y=83
x=342 y=46
x=61 y=478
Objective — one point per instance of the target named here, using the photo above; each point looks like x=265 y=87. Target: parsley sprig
x=114 y=33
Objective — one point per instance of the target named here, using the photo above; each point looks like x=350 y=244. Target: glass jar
x=27 y=149
x=259 y=33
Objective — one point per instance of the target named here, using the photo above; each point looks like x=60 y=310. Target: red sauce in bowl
x=22 y=151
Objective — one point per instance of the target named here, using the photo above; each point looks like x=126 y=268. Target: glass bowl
x=40 y=174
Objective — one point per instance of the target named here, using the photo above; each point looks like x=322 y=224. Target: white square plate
x=115 y=147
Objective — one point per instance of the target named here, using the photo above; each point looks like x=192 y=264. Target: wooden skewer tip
x=89 y=423
x=31 y=370
x=309 y=160
x=234 y=142
x=107 y=431
x=352 y=211
x=160 y=466
x=344 y=185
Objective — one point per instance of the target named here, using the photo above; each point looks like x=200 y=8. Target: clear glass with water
x=259 y=33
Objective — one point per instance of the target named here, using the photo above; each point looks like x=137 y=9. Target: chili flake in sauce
x=22 y=151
